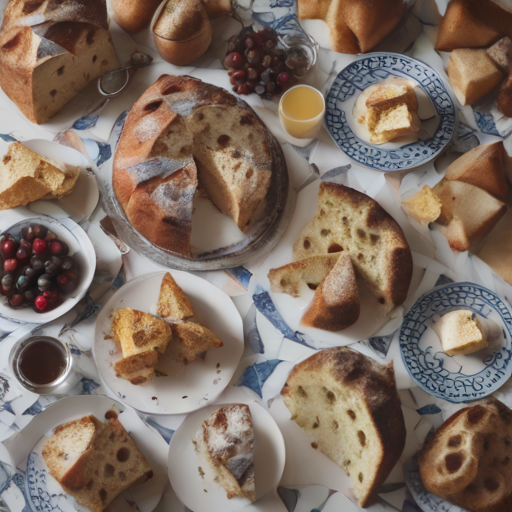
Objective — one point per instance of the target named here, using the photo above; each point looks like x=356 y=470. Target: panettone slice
x=142 y=338
x=349 y=404
x=226 y=442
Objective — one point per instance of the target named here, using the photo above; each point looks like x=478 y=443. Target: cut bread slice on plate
x=335 y=305
x=226 y=442
x=142 y=338
x=349 y=404
x=190 y=338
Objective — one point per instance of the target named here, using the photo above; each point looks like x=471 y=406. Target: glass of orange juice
x=301 y=111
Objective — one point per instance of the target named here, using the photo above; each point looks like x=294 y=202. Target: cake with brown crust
x=181 y=130
x=468 y=460
x=350 y=221
x=349 y=404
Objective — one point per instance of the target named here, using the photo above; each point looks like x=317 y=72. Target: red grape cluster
x=36 y=270
x=256 y=63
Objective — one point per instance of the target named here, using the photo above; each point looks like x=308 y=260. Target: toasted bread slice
x=190 y=338
x=142 y=338
x=295 y=276
x=349 y=405
x=96 y=472
x=335 y=305
x=226 y=441
x=26 y=177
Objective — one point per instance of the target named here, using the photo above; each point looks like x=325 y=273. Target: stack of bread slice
x=349 y=404
x=351 y=235
x=26 y=177
x=94 y=462
x=190 y=339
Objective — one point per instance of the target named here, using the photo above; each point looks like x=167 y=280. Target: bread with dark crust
x=350 y=405
x=178 y=123
x=468 y=461
x=348 y=220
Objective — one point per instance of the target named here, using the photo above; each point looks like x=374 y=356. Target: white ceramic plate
x=186 y=387
x=26 y=446
x=80 y=247
x=201 y=493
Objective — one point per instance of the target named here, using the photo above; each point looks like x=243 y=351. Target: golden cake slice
x=142 y=338
x=93 y=462
x=423 y=206
x=190 y=338
x=226 y=442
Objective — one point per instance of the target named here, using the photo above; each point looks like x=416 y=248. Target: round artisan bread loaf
x=468 y=461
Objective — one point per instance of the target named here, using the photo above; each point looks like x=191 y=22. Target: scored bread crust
x=468 y=461
x=168 y=131
x=371 y=232
x=374 y=386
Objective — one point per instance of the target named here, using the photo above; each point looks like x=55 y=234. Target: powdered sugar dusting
x=160 y=166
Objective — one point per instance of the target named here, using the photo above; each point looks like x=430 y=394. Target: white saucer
x=186 y=387
x=26 y=446
x=201 y=493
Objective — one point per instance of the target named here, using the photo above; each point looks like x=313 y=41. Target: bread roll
x=468 y=461
x=472 y=24
x=134 y=15
x=472 y=74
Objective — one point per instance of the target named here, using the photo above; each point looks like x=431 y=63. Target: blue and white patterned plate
x=460 y=378
x=425 y=500
x=367 y=71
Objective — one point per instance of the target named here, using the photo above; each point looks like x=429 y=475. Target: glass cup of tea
x=43 y=365
x=301 y=111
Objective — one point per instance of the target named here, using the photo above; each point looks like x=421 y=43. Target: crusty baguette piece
x=349 y=404
x=106 y=467
x=468 y=214
x=190 y=339
x=497 y=253
x=335 y=305
x=353 y=222
x=226 y=442
x=424 y=206
x=309 y=272
x=484 y=167
x=472 y=24
x=142 y=338
x=501 y=54
x=468 y=460
x=355 y=26
x=26 y=177
x=472 y=74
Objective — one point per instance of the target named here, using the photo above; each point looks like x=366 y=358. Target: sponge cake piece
x=423 y=206
x=142 y=338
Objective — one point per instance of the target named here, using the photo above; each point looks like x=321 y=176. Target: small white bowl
x=80 y=247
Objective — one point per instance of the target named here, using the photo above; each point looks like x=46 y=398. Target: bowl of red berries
x=46 y=267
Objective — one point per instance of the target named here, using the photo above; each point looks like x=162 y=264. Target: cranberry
x=234 y=60
x=283 y=77
x=16 y=300
x=10 y=265
x=39 y=246
x=9 y=248
x=40 y=303
x=22 y=254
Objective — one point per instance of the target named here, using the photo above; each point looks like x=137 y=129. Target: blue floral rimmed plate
x=460 y=378
x=367 y=71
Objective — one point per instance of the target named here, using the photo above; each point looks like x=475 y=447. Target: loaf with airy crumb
x=190 y=339
x=142 y=338
x=468 y=460
x=181 y=130
x=335 y=305
x=93 y=462
x=294 y=277
x=350 y=406
x=348 y=220
x=226 y=442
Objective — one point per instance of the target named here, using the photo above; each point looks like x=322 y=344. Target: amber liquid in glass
x=42 y=361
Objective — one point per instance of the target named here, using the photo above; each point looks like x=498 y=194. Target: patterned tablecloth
x=310 y=481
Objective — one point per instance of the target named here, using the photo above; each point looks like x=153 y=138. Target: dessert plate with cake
x=89 y=452
x=456 y=342
x=230 y=455
x=390 y=112
x=197 y=181
x=168 y=343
